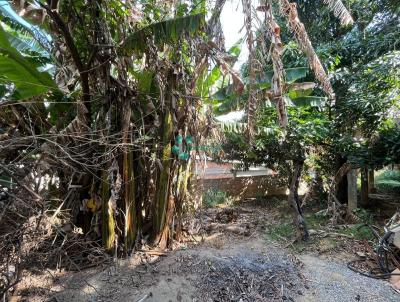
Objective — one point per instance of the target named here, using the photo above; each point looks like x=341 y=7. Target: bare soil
x=231 y=259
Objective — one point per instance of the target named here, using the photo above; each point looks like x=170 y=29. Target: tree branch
x=69 y=41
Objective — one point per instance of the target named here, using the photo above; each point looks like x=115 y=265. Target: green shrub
x=359 y=232
x=388 y=181
x=363 y=216
x=315 y=221
x=283 y=230
x=212 y=198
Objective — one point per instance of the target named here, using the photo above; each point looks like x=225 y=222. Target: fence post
x=371 y=181
x=351 y=191
x=364 y=187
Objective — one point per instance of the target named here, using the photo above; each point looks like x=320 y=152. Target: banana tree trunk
x=108 y=223
x=163 y=189
x=278 y=78
x=167 y=226
x=130 y=223
x=182 y=188
x=129 y=201
x=163 y=183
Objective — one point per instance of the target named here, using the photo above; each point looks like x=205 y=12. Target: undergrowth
x=213 y=198
x=284 y=231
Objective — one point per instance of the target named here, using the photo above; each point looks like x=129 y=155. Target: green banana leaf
x=291 y=75
x=28 y=81
x=213 y=79
x=313 y=101
x=164 y=32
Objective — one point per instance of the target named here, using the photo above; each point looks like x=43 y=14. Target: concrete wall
x=247 y=187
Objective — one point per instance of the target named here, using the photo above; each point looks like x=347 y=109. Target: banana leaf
x=164 y=32
x=28 y=81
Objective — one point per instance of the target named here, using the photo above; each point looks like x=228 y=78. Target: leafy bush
x=359 y=232
x=212 y=198
x=283 y=230
x=388 y=181
x=363 y=215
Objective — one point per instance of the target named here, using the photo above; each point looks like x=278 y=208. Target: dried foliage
x=273 y=33
x=289 y=11
x=214 y=29
x=247 y=10
x=340 y=11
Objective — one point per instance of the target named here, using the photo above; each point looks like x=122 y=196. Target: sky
x=8 y=8
x=232 y=21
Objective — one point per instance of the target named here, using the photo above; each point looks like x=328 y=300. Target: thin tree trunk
x=246 y=4
x=341 y=182
x=295 y=202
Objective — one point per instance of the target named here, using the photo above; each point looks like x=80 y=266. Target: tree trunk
x=165 y=233
x=352 y=191
x=364 y=187
x=130 y=228
x=108 y=223
x=130 y=223
x=295 y=202
x=183 y=180
x=341 y=188
x=163 y=191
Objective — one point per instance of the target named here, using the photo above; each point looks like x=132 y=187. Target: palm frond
x=340 y=11
x=26 y=44
x=291 y=75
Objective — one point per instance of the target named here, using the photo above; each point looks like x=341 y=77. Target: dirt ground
x=231 y=259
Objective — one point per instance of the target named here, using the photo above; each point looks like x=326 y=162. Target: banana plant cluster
x=121 y=112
